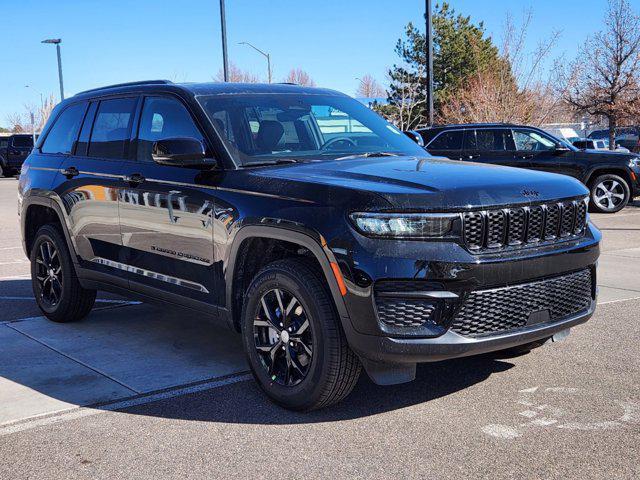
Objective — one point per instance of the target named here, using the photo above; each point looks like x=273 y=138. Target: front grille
x=405 y=312
x=491 y=230
x=507 y=308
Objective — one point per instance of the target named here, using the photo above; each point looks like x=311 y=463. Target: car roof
x=210 y=88
x=474 y=125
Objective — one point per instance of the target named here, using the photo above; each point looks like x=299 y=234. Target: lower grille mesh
x=507 y=308
x=404 y=312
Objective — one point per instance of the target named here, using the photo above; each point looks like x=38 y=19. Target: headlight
x=405 y=225
x=634 y=162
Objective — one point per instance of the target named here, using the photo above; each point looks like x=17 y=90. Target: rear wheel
x=609 y=193
x=55 y=285
x=2 y=171
x=293 y=339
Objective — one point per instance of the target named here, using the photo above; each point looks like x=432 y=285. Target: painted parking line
x=80 y=412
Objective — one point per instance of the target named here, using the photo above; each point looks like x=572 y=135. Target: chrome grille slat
x=495 y=229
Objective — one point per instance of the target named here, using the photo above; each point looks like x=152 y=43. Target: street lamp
x=223 y=28
x=57 y=42
x=429 y=58
x=262 y=53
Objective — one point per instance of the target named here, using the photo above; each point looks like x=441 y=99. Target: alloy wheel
x=283 y=337
x=609 y=194
x=49 y=274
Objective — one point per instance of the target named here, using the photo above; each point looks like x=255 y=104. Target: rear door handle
x=70 y=172
x=526 y=157
x=471 y=157
x=134 y=178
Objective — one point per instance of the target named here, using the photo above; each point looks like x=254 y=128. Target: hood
x=433 y=183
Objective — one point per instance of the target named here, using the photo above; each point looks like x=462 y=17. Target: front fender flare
x=317 y=246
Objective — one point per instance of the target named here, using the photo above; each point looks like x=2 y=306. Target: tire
x=60 y=297
x=331 y=371
x=2 y=171
x=609 y=194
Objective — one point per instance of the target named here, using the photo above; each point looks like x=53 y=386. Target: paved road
x=567 y=410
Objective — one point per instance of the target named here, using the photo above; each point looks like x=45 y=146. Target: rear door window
x=64 y=132
x=111 y=128
x=451 y=140
x=494 y=140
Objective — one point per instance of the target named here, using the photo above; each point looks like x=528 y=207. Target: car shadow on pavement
x=146 y=342
x=244 y=403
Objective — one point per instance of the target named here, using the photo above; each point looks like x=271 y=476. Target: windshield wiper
x=279 y=161
x=369 y=155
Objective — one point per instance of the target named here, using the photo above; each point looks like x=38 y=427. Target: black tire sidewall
x=49 y=233
x=307 y=393
x=627 y=193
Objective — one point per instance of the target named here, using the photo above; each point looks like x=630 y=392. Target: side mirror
x=181 y=152
x=560 y=148
x=415 y=136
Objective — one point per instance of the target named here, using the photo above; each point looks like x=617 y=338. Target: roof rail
x=128 y=84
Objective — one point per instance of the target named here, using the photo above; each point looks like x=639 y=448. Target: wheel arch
x=609 y=170
x=316 y=246
x=38 y=210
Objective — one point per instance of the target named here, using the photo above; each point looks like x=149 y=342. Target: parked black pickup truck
x=300 y=218
x=613 y=178
x=14 y=149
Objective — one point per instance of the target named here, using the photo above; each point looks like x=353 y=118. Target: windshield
x=264 y=128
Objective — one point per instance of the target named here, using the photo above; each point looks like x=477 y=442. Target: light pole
x=429 y=58
x=57 y=42
x=262 y=53
x=225 y=60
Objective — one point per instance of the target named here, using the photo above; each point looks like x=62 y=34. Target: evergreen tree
x=461 y=50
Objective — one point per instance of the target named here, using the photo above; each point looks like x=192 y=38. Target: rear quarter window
x=64 y=131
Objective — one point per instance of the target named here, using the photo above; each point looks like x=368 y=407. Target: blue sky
x=334 y=40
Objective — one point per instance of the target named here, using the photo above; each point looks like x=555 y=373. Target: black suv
x=14 y=149
x=612 y=177
x=307 y=223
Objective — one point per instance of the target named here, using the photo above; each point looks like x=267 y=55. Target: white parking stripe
x=80 y=412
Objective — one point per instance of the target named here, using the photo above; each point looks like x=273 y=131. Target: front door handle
x=70 y=172
x=134 y=178
x=471 y=157
x=527 y=156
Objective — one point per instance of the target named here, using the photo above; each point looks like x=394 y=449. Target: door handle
x=471 y=157
x=526 y=156
x=134 y=178
x=70 y=172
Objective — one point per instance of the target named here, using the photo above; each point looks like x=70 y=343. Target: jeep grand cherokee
x=328 y=239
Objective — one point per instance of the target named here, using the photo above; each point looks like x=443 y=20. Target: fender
x=317 y=247
x=610 y=167
x=52 y=201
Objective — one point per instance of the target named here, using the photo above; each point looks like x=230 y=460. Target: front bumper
x=450 y=345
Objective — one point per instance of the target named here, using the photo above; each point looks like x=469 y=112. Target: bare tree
x=513 y=91
x=237 y=75
x=21 y=122
x=299 y=77
x=408 y=101
x=369 y=88
x=604 y=78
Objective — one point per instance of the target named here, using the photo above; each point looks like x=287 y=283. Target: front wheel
x=609 y=194
x=293 y=338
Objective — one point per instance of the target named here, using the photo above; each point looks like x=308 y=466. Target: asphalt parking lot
x=144 y=392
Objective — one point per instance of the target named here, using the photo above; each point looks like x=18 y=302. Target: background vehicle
x=612 y=177
x=596 y=144
x=14 y=149
x=306 y=222
x=626 y=137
